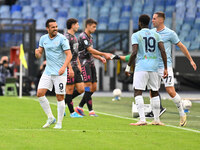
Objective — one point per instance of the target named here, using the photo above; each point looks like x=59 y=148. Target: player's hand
x=103 y=60
x=127 y=73
x=193 y=65
x=127 y=70
x=165 y=73
x=71 y=73
x=61 y=71
x=37 y=53
x=108 y=56
x=115 y=57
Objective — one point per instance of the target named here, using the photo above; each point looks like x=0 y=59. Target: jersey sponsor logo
x=86 y=42
x=150 y=57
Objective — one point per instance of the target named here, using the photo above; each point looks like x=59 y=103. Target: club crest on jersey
x=86 y=42
x=56 y=43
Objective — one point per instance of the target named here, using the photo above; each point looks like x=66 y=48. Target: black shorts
x=89 y=73
x=77 y=76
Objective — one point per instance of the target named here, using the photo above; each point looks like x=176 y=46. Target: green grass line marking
x=172 y=126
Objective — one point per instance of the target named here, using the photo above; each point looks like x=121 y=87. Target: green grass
x=21 y=121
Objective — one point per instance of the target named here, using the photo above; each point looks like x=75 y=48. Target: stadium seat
x=102 y=26
x=26 y=9
x=37 y=9
x=39 y=15
x=113 y=26
x=194 y=45
x=62 y=13
x=15 y=8
x=4 y=9
x=61 y=23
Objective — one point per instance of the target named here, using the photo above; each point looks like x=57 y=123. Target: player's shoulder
x=168 y=30
x=82 y=36
x=44 y=36
x=60 y=35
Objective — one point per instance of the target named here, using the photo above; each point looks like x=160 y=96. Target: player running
x=86 y=56
x=58 y=56
x=147 y=46
x=74 y=77
x=170 y=37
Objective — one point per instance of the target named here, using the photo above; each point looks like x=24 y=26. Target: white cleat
x=159 y=123
x=49 y=122
x=58 y=126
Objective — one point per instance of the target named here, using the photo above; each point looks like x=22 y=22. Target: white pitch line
x=111 y=131
x=84 y=131
x=177 y=127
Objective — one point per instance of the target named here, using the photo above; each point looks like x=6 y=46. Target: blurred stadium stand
x=110 y=14
x=113 y=18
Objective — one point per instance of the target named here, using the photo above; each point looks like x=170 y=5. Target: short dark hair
x=144 y=20
x=160 y=14
x=48 y=21
x=5 y=62
x=70 y=22
x=90 y=21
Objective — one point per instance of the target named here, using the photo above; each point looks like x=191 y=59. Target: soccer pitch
x=22 y=119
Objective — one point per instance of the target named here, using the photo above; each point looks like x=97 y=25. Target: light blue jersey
x=54 y=51
x=169 y=37
x=148 y=51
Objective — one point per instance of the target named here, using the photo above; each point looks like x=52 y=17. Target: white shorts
x=142 y=79
x=47 y=82
x=169 y=80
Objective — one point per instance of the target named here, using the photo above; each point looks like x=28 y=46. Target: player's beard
x=54 y=33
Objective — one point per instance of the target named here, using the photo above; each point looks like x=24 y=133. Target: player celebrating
x=146 y=46
x=87 y=54
x=170 y=37
x=58 y=56
x=150 y=114
x=74 y=78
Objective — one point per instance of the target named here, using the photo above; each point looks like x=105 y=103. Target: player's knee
x=80 y=90
x=171 y=92
x=60 y=97
x=40 y=94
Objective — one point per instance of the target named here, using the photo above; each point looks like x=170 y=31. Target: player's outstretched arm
x=38 y=52
x=96 y=52
x=103 y=60
x=132 y=60
x=187 y=54
x=164 y=57
x=66 y=63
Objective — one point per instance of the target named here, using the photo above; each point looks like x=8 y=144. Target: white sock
x=140 y=107
x=177 y=100
x=45 y=105
x=156 y=107
x=61 y=110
